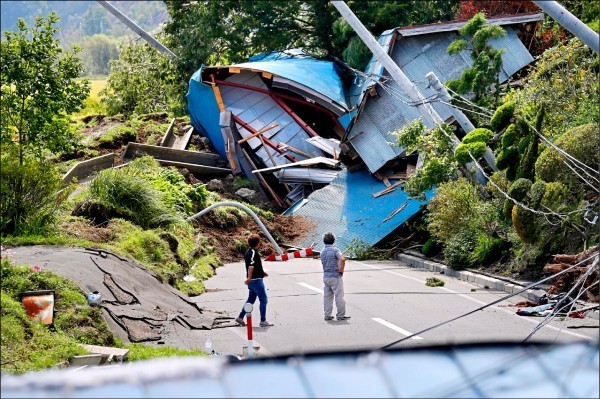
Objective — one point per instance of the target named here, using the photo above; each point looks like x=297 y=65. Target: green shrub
x=455 y=208
x=29 y=195
x=583 y=143
x=506 y=158
x=133 y=195
x=487 y=250
x=519 y=189
x=510 y=136
x=431 y=247
x=478 y=135
x=476 y=149
x=536 y=193
x=243 y=182
x=458 y=249
x=502 y=116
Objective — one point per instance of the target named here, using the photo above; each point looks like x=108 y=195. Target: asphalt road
x=386 y=300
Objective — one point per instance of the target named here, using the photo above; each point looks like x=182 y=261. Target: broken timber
x=258 y=133
x=263 y=181
x=388 y=189
x=200 y=164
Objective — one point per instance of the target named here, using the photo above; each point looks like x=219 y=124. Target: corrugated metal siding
x=259 y=111
x=347 y=208
x=417 y=56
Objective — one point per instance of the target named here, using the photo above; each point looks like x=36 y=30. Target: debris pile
x=563 y=283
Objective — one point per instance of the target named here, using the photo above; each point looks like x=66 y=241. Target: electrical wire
x=530 y=286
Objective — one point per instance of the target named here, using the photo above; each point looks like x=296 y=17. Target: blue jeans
x=256 y=288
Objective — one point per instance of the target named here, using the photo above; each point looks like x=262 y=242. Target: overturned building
x=316 y=136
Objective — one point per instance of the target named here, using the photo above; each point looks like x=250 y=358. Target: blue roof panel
x=317 y=75
x=347 y=208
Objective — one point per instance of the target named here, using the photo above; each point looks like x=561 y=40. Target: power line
x=530 y=286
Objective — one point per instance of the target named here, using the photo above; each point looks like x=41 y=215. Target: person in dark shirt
x=254 y=280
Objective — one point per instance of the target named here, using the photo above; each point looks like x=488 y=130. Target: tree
x=468 y=8
x=98 y=51
x=39 y=86
x=482 y=77
x=142 y=80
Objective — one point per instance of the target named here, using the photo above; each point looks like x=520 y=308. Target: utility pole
x=427 y=111
x=136 y=28
x=460 y=117
x=571 y=23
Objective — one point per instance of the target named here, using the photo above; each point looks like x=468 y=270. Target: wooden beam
x=387 y=189
x=230 y=156
x=294 y=149
x=271 y=144
x=261 y=131
x=263 y=181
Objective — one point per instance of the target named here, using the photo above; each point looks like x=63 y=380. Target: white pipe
x=571 y=23
x=248 y=211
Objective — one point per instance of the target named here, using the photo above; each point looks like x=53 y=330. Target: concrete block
x=499 y=285
x=508 y=288
x=86 y=168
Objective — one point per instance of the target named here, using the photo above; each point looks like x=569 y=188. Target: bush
x=458 y=249
x=519 y=189
x=583 y=143
x=478 y=135
x=502 y=116
x=510 y=136
x=29 y=195
x=431 y=247
x=456 y=208
x=487 y=250
x=134 y=196
x=476 y=149
x=507 y=158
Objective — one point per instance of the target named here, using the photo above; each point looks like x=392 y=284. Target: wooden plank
x=397 y=211
x=263 y=181
x=218 y=98
x=397 y=176
x=387 y=189
x=271 y=144
x=234 y=70
x=230 y=156
x=105 y=350
x=166 y=138
x=267 y=75
x=386 y=182
x=285 y=146
x=261 y=131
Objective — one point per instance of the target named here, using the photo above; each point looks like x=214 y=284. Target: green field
x=92 y=103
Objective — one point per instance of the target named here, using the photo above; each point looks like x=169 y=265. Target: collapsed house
x=316 y=136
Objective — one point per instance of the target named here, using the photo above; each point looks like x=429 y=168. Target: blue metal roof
x=346 y=207
x=417 y=56
x=294 y=65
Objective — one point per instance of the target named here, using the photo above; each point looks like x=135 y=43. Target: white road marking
x=524 y=318
x=395 y=328
x=310 y=287
x=244 y=337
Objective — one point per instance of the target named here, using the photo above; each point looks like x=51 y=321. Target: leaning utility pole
x=136 y=28
x=428 y=113
x=571 y=23
x=460 y=117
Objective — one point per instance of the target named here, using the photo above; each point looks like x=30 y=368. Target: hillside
x=79 y=19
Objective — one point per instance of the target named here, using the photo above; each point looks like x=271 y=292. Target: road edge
x=532 y=295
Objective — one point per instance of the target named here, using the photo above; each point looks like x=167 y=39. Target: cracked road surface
x=387 y=301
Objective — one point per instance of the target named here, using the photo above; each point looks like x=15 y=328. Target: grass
x=92 y=104
x=143 y=352
x=434 y=282
x=28 y=345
